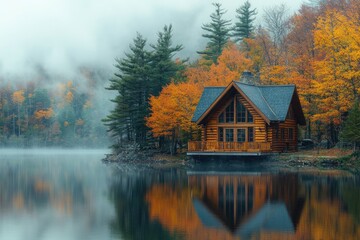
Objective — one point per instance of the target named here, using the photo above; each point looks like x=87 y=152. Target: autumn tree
x=217 y=33
x=337 y=71
x=244 y=26
x=231 y=64
x=301 y=47
x=171 y=113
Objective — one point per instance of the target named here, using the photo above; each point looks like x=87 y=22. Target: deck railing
x=199 y=146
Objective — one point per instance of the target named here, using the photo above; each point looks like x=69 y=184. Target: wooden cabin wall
x=280 y=144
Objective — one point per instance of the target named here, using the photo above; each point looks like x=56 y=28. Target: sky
x=63 y=35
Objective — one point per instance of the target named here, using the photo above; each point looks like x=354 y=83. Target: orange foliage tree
x=172 y=111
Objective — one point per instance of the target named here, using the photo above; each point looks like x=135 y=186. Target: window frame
x=250 y=138
x=237 y=135
x=232 y=134
x=235 y=118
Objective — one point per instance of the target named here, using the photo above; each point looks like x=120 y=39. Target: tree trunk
x=173 y=143
x=308 y=129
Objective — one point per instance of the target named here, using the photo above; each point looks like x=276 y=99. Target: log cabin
x=244 y=119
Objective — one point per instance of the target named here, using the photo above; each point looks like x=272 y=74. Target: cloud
x=63 y=35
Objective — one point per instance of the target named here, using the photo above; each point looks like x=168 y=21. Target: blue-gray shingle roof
x=278 y=98
x=209 y=95
x=273 y=101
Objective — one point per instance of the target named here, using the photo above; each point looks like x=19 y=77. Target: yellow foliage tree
x=173 y=109
x=44 y=114
x=337 y=85
x=69 y=97
x=18 y=97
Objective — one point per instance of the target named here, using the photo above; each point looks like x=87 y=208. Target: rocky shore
x=333 y=158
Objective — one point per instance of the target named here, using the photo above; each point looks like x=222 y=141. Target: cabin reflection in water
x=264 y=206
x=249 y=205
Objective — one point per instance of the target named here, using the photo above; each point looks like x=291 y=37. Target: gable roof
x=272 y=101
x=209 y=95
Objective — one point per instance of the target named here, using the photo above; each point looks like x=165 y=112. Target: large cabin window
x=239 y=111
x=229 y=137
x=250 y=118
x=221 y=118
x=242 y=114
x=229 y=113
x=241 y=135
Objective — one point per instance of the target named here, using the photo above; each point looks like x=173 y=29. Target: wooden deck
x=228 y=148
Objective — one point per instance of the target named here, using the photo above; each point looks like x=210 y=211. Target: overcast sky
x=62 y=35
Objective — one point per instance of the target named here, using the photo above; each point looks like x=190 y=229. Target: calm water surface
x=73 y=195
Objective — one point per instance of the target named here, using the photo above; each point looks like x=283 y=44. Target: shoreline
x=333 y=159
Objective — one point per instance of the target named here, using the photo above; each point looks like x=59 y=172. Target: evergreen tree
x=218 y=34
x=244 y=26
x=351 y=130
x=141 y=74
x=131 y=104
x=164 y=68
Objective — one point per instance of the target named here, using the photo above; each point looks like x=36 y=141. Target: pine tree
x=218 y=33
x=141 y=74
x=132 y=84
x=164 y=68
x=244 y=26
x=351 y=130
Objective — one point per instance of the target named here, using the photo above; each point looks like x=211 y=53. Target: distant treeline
x=36 y=113
x=317 y=48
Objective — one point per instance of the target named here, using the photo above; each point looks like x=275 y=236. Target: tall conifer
x=218 y=33
x=163 y=66
x=140 y=74
x=245 y=18
x=131 y=81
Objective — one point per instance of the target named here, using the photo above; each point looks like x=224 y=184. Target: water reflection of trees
x=283 y=206
x=27 y=189
x=128 y=194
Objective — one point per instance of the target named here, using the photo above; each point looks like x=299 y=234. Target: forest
x=317 y=48
x=35 y=113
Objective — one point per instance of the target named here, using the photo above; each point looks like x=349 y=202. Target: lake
x=71 y=194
